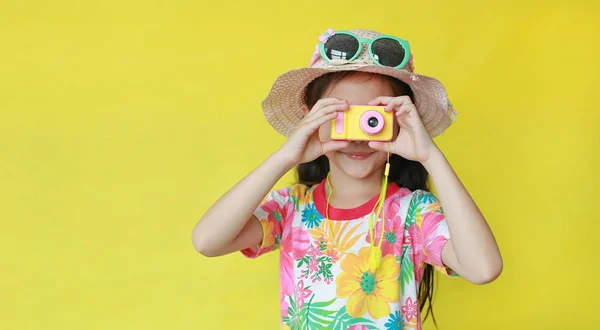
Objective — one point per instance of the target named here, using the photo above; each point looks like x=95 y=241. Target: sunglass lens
x=341 y=47
x=388 y=52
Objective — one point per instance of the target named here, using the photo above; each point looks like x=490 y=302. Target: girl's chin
x=356 y=166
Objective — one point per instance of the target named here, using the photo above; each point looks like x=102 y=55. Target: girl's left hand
x=413 y=141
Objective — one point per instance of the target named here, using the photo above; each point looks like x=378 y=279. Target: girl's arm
x=227 y=226
x=471 y=251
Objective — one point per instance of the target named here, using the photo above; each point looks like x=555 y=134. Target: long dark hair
x=405 y=173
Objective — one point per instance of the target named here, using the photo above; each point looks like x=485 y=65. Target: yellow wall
x=122 y=121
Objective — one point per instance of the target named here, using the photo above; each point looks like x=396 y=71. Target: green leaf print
x=325 y=264
x=322 y=246
x=343 y=321
x=296 y=204
x=407 y=268
x=294 y=319
x=324 y=303
x=315 y=315
x=303 y=260
x=413 y=208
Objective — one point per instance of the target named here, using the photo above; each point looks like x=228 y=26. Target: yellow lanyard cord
x=375 y=252
x=329 y=221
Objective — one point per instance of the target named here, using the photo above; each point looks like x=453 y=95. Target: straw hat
x=283 y=106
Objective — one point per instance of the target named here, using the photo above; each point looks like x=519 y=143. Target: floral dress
x=327 y=279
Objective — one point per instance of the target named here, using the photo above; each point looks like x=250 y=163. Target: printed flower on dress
x=427 y=198
x=427 y=244
x=279 y=215
x=283 y=214
x=294 y=244
x=358 y=327
x=333 y=254
x=313 y=266
x=409 y=309
x=314 y=250
x=392 y=237
x=368 y=289
x=318 y=264
x=395 y=322
x=301 y=293
x=311 y=217
x=394 y=229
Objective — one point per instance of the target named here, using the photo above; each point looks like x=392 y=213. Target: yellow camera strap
x=375 y=258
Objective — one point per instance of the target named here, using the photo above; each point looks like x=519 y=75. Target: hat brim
x=283 y=106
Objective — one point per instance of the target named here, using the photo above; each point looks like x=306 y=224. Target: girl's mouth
x=358 y=155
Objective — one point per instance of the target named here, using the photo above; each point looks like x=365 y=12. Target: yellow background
x=122 y=121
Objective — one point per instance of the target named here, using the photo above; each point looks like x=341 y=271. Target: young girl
x=358 y=241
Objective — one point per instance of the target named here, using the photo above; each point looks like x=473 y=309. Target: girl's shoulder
x=298 y=193
x=423 y=197
x=398 y=192
x=412 y=198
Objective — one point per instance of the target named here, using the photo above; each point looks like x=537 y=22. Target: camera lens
x=373 y=122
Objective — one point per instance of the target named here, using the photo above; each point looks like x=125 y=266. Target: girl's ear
x=305 y=110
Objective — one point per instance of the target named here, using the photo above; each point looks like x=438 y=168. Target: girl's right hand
x=304 y=145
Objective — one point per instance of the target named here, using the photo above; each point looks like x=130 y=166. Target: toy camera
x=363 y=123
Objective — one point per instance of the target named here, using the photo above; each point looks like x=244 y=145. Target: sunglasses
x=384 y=50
